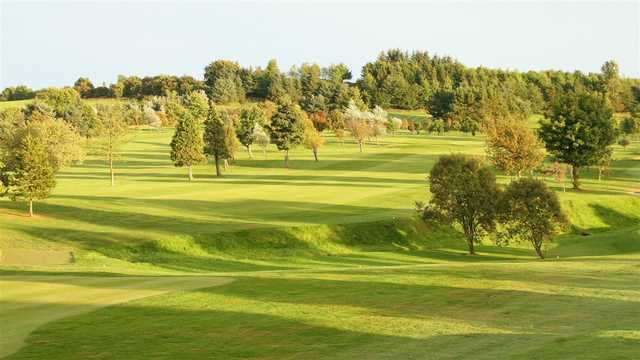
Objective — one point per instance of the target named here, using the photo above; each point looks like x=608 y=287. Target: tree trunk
x=217 y=161
x=250 y=153
x=286 y=158
x=113 y=175
x=575 y=175
x=226 y=164
x=599 y=173
x=264 y=150
x=538 y=248
x=190 y=173
x=30 y=208
x=361 y=144
x=472 y=250
x=315 y=154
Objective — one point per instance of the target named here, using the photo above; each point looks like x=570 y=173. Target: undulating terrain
x=323 y=260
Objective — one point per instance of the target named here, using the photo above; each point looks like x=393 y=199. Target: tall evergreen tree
x=215 y=142
x=187 y=143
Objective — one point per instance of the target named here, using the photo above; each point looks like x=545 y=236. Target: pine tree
x=33 y=176
x=214 y=138
x=187 y=143
x=287 y=128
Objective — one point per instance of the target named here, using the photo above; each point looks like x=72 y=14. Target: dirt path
x=27 y=302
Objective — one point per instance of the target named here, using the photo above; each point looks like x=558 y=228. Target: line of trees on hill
x=457 y=95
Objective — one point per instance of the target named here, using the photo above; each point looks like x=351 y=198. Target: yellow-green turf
x=328 y=262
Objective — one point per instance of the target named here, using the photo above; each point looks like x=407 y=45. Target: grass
x=327 y=262
x=21 y=103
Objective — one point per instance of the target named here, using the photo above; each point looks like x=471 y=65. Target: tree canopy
x=579 y=130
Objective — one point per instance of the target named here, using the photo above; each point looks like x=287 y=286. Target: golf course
x=322 y=260
x=319 y=180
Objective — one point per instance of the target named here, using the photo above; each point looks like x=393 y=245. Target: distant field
x=326 y=258
x=21 y=103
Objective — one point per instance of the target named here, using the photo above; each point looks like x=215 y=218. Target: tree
x=60 y=100
x=624 y=142
x=286 y=128
x=394 y=125
x=378 y=122
x=312 y=139
x=464 y=191
x=357 y=122
x=32 y=177
x=215 y=142
x=84 y=87
x=437 y=126
x=337 y=124
x=579 y=131
x=151 y=118
x=530 y=212
x=84 y=120
x=630 y=125
x=250 y=117
x=230 y=121
x=197 y=103
x=512 y=147
x=559 y=172
x=222 y=78
x=20 y=92
x=261 y=138
x=187 y=143
x=114 y=130
x=63 y=144
x=611 y=82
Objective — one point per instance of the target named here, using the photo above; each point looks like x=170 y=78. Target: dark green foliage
x=187 y=143
x=223 y=81
x=215 y=142
x=631 y=125
x=463 y=191
x=19 y=92
x=579 y=130
x=32 y=176
x=287 y=127
x=530 y=212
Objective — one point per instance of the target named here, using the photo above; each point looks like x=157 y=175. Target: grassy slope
x=367 y=285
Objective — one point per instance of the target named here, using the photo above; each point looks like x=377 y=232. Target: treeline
x=447 y=89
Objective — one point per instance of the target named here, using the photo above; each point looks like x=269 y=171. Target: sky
x=53 y=43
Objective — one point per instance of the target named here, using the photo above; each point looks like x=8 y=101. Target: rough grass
x=327 y=260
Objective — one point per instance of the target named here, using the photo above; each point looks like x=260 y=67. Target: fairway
x=327 y=258
x=27 y=302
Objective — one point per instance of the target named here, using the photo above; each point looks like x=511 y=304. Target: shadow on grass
x=278 y=318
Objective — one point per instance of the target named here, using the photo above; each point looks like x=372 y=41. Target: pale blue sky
x=54 y=43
